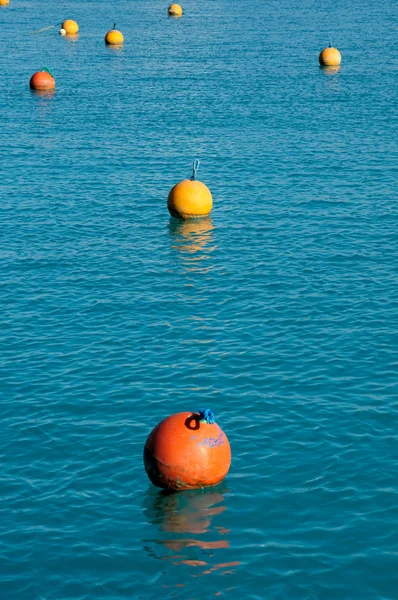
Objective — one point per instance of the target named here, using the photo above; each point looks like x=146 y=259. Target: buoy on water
x=175 y=10
x=42 y=80
x=4 y=2
x=114 y=37
x=70 y=27
x=190 y=198
x=330 y=57
x=187 y=451
x=62 y=31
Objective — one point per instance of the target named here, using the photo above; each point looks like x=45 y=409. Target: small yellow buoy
x=70 y=26
x=4 y=2
x=190 y=199
x=114 y=37
x=330 y=57
x=175 y=10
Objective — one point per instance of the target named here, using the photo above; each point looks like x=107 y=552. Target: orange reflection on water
x=192 y=513
x=193 y=239
x=177 y=545
x=191 y=540
x=43 y=93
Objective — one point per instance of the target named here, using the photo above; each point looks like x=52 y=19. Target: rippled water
x=279 y=311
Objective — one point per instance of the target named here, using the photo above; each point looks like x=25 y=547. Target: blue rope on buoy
x=207 y=416
x=196 y=164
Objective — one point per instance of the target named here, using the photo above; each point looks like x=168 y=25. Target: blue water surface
x=279 y=311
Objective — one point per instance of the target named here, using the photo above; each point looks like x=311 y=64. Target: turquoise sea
x=279 y=311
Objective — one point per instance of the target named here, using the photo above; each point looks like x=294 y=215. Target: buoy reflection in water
x=330 y=70
x=194 y=240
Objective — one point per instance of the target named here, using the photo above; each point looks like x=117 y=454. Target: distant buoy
x=42 y=80
x=114 y=37
x=62 y=31
x=70 y=26
x=190 y=199
x=187 y=451
x=175 y=10
x=330 y=57
x=4 y=2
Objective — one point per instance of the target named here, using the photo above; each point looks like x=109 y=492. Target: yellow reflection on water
x=330 y=70
x=193 y=239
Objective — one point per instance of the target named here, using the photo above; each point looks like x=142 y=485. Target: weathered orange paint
x=184 y=453
x=42 y=81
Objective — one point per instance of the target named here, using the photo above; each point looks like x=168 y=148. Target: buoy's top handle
x=47 y=70
x=207 y=416
x=195 y=168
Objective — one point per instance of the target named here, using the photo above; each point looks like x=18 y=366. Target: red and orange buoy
x=42 y=80
x=190 y=198
x=187 y=451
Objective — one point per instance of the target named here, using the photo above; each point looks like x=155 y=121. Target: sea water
x=278 y=311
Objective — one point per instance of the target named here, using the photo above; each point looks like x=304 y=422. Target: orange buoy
x=330 y=57
x=114 y=37
x=175 y=10
x=4 y=2
x=187 y=451
x=190 y=199
x=42 y=80
x=70 y=27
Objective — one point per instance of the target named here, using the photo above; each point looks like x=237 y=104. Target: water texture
x=279 y=311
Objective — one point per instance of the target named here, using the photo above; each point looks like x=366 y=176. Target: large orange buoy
x=175 y=10
x=70 y=27
x=187 y=451
x=42 y=80
x=4 y=2
x=330 y=57
x=190 y=199
x=114 y=37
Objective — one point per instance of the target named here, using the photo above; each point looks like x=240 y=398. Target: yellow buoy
x=114 y=37
x=190 y=199
x=4 y=2
x=175 y=10
x=330 y=57
x=70 y=26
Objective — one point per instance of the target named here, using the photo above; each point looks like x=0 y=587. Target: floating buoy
x=62 y=31
x=4 y=2
x=187 y=451
x=330 y=57
x=114 y=37
x=70 y=26
x=175 y=10
x=42 y=80
x=190 y=199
